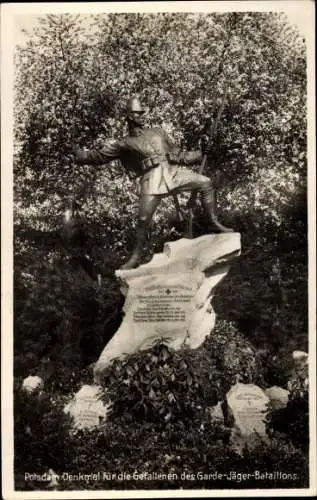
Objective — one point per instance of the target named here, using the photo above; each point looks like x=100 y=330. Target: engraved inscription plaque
x=164 y=305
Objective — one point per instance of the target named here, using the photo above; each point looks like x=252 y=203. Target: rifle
x=179 y=212
x=212 y=129
x=210 y=134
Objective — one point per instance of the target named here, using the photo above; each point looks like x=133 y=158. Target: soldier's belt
x=151 y=162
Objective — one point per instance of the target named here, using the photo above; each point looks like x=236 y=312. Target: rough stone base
x=170 y=297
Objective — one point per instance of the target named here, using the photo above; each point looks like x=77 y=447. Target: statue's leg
x=148 y=205
x=186 y=180
x=209 y=203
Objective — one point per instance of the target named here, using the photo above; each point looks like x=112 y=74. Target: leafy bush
x=64 y=319
x=162 y=385
x=293 y=420
x=40 y=432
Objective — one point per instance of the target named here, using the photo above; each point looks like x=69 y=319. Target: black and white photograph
x=158 y=279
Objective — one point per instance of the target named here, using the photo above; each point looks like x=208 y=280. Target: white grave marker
x=248 y=405
x=87 y=409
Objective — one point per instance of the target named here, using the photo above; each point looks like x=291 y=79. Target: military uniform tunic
x=152 y=156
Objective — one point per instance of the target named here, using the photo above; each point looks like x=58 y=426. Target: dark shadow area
x=68 y=303
x=265 y=292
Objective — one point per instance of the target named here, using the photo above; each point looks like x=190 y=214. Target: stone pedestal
x=170 y=297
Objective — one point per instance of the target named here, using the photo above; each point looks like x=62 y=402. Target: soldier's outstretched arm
x=98 y=157
x=176 y=155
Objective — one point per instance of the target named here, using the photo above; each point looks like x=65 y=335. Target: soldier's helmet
x=134 y=105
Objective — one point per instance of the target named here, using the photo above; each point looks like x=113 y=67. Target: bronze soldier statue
x=150 y=153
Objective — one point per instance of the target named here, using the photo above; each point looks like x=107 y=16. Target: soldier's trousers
x=184 y=180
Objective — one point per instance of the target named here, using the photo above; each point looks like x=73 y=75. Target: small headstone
x=248 y=405
x=87 y=409
x=32 y=383
x=277 y=396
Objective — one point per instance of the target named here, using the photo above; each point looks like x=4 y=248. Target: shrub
x=293 y=420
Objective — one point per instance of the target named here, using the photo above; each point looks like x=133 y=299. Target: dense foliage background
x=72 y=80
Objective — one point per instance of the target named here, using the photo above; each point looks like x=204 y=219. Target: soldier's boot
x=138 y=247
x=209 y=203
